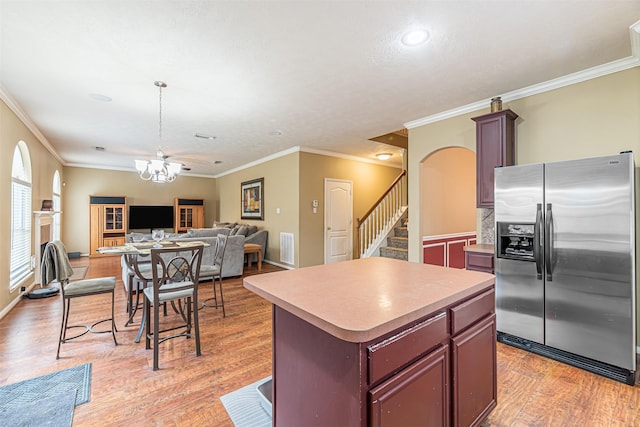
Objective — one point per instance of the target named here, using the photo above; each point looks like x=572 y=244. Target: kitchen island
x=381 y=342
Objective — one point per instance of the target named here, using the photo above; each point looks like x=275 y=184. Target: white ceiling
x=328 y=75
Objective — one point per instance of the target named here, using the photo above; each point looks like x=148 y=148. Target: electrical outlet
x=23 y=288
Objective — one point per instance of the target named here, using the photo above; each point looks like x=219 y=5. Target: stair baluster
x=376 y=223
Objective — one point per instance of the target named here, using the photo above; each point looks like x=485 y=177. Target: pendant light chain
x=160 y=86
x=158 y=169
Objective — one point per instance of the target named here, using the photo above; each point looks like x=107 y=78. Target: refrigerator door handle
x=548 y=244
x=537 y=250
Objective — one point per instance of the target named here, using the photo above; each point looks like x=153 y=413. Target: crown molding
x=24 y=118
x=570 y=79
x=349 y=157
x=120 y=169
x=259 y=161
x=634 y=32
x=298 y=149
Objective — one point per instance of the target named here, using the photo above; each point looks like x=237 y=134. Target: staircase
x=397 y=243
x=378 y=222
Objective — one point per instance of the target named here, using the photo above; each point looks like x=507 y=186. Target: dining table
x=134 y=254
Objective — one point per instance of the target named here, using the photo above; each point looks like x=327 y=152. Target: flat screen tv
x=149 y=217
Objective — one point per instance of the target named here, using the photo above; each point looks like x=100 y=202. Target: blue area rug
x=244 y=408
x=47 y=400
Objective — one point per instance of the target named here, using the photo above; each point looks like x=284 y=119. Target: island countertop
x=363 y=299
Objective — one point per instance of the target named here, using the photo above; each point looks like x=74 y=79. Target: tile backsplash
x=487 y=226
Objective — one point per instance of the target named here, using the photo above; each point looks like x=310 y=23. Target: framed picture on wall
x=252 y=199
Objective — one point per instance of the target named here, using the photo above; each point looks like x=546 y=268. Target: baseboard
x=16 y=300
x=286 y=267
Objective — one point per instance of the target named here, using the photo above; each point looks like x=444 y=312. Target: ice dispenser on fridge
x=515 y=241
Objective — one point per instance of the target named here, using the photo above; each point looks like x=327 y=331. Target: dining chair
x=136 y=277
x=176 y=273
x=215 y=272
x=56 y=266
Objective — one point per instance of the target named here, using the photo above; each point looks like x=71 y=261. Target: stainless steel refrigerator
x=565 y=262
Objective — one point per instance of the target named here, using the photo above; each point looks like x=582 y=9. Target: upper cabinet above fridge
x=495 y=146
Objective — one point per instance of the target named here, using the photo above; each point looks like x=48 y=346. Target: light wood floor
x=236 y=350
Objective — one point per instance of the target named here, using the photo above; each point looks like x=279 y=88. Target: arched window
x=57 y=206
x=20 y=216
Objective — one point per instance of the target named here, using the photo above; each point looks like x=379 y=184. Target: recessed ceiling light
x=98 y=97
x=99 y=148
x=217 y=162
x=275 y=133
x=384 y=156
x=201 y=135
x=415 y=37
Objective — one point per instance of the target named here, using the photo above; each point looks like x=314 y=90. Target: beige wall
x=43 y=167
x=281 y=189
x=369 y=182
x=290 y=184
x=80 y=183
x=286 y=189
x=448 y=179
x=597 y=117
x=592 y=118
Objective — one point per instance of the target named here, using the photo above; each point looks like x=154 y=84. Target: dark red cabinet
x=474 y=373
x=437 y=371
x=417 y=396
x=479 y=261
x=495 y=146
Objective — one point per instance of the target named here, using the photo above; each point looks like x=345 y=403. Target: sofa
x=233 y=260
x=251 y=234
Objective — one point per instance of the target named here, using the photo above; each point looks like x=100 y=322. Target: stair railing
x=375 y=223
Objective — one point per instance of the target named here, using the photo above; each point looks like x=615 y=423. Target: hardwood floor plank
x=626 y=407
x=515 y=388
x=236 y=351
x=537 y=391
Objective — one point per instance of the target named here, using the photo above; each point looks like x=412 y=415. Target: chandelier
x=158 y=170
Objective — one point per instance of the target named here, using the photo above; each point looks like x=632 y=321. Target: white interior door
x=338 y=214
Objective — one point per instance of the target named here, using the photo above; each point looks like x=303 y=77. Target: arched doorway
x=448 y=202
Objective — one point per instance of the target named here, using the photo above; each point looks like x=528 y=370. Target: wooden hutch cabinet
x=188 y=213
x=495 y=146
x=107 y=222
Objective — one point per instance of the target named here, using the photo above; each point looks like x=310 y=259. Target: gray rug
x=59 y=384
x=244 y=408
x=52 y=411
